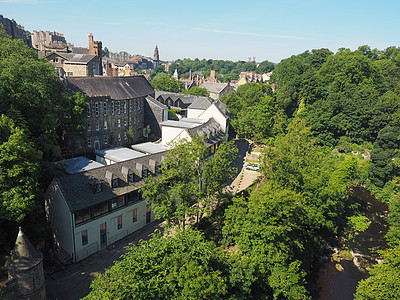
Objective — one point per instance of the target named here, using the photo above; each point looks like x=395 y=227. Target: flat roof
x=150 y=148
x=193 y=120
x=119 y=153
x=79 y=164
x=180 y=124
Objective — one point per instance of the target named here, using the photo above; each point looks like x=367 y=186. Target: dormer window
x=115 y=182
x=131 y=178
x=158 y=170
x=97 y=188
x=145 y=173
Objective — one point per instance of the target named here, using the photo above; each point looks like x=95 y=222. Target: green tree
x=162 y=82
x=106 y=52
x=384 y=282
x=181 y=266
x=197 y=91
x=19 y=172
x=189 y=181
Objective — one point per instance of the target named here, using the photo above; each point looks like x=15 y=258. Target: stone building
x=116 y=107
x=25 y=272
x=154 y=113
x=96 y=48
x=15 y=30
x=217 y=90
x=43 y=40
x=72 y=65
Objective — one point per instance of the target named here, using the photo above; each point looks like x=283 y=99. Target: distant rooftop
x=80 y=164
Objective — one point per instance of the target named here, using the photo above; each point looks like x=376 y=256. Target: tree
x=181 y=266
x=189 y=181
x=30 y=88
x=384 y=282
x=197 y=91
x=106 y=52
x=162 y=82
x=19 y=172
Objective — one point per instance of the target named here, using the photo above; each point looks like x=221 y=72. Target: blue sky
x=219 y=29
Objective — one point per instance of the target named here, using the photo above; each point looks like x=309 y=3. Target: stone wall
x=15 y=30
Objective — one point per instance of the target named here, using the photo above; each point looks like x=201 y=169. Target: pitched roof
x=214 y=87
x=186 y=99
x=222 y=107
x=201 y=103
x=118 y=88
x=77 y=188
x=209 y=127
x=80 y=50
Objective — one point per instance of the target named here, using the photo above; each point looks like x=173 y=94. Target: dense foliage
x=35 y=117
x=190 y=181
x=254 y=113
x=162 y=82
x=286 y=220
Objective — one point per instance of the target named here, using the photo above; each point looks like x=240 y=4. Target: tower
x=156 y=57
x=96 y=48
x=25 y=266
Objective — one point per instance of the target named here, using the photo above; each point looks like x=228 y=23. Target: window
x=115 y=182
x=117 y=202
x=134 y=119
x=105 y=124
x=130 y=105
x=119 y=107
x=119 y=137
x=97 y=126
x=119 y=220
x=100 y=209
x=70 y=73
x=131 y=178
x=105 y=108
x=125 y=136
x=158 y=170
x=106 y=140
x=134 y=215
x=130 y=120
x=134 y=104
x=145 y=173
x=97 y=187
x=124 y=106
x=134 y=196
x=89 y=143
x=119 y=123
x=89 y=128
x=125 y=124
x=96 y=108
x=84 y=238
x=89 y=112
x=82 y=216
x=112 y=108
x=112 y=123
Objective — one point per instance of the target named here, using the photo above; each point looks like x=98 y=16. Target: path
x=74 y=283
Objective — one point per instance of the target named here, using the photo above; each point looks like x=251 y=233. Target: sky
x=218 y=29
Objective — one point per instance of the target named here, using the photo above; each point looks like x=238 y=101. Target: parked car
x=253 y=167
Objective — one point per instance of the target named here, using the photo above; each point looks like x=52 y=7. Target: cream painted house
x=94 y=205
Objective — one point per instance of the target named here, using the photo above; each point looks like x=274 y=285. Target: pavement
x=73 y=283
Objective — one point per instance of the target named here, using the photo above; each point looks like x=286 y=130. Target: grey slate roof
x=210 y=127
x=80 y=50
x=155 y=102
x=186 y=99
x=118 y=88
x=214 y=87
x=223 y=108
x=201 y=103
x=72 y=58
x=78 y=191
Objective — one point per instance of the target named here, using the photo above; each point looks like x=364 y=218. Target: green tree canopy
x=19 y=172
x=189 y=180
x=181 y=266
x=162 y=82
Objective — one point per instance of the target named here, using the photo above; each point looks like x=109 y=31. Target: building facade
x=115 y=114
x=94 y=205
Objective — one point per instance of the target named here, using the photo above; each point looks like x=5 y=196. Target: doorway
x=103 y=235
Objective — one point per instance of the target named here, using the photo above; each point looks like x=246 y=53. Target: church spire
x=156 y=55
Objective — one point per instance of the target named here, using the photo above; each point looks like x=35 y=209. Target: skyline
x=225 y=30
